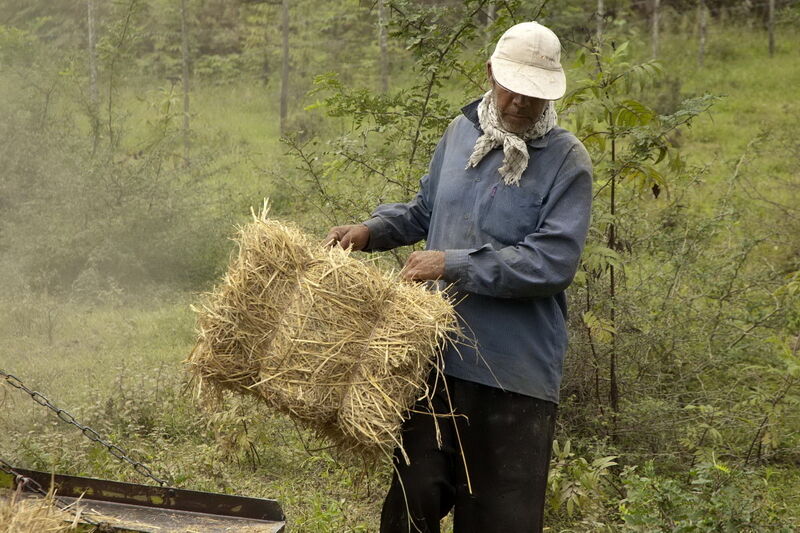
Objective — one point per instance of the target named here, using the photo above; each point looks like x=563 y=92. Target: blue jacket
x=510 y=251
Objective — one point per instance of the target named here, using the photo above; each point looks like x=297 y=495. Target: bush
x=714 y=497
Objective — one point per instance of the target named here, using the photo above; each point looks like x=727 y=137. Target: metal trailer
x=103 y=505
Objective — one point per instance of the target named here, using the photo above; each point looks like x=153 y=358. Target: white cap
x=527 y=60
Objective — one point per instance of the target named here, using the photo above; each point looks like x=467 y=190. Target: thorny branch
x=433 y=77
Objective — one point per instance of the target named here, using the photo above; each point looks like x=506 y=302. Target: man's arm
x=544 y=262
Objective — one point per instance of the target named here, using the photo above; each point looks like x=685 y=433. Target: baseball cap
x=527 y=60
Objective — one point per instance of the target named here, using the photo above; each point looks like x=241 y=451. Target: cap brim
x=529 y=80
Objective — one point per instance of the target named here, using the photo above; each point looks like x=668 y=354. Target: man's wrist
x=375 y=225
x=456 y=263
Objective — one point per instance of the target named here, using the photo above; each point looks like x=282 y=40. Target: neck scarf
x=515 y=151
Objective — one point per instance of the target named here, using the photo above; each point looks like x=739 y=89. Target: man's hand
x=355 y=235
x=424 y=265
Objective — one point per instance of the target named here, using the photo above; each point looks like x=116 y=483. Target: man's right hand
x=355 y=235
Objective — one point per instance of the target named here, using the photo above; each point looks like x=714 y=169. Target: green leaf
x=598 y=257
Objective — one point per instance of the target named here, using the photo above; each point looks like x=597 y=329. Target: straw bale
x=341 y=346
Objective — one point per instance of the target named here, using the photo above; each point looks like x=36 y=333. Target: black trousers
x=506 y=440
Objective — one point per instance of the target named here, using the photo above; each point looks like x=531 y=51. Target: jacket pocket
x=510 y=213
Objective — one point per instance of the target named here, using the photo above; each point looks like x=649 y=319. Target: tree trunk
x=771 y=27
x=491 y=14
x=94 y=99
x=701 y=14
x=265 y=66
x=285 y=66
x=185 y=58
x=654 y=26
x=382 y=41
x=613 y=392
x=601 y=12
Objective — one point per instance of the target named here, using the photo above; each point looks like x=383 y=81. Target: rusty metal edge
x=159 y=497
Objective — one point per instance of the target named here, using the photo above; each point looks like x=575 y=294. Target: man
x=504 y=209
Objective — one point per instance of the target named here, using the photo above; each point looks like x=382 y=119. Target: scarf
x=515 y=151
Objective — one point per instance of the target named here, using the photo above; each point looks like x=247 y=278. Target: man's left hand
x=424 y=265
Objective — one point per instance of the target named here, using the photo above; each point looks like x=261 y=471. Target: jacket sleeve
x=394 y=225
x=544 y=262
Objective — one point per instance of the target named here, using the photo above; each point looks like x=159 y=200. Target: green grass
x=759 y=92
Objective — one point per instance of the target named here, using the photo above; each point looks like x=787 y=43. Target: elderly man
x=504 y=210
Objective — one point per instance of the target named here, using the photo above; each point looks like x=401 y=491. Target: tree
x=491 y=14
x=771 y=27
x=284 y=65
x=702 y=16
x=94 y=110
x=185 y=76
x=383 y=44
x=627 y=141
x=655 y=6
x=600 y=14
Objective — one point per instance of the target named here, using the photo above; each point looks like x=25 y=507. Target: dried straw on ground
x=334 y=342
x=21 y=514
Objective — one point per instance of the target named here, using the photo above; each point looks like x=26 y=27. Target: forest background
x=137 y=133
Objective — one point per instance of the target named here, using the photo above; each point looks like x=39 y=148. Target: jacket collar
x=471 y=112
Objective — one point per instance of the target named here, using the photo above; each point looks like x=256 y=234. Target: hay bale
x=340 y=346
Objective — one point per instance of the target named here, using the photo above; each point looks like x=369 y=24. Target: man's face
x=517 y=112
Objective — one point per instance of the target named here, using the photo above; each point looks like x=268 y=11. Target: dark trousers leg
x=425 y=488
x=506 y=440
x=509 y=437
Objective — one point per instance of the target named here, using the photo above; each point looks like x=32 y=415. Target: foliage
x=140 y=223
x=715 y=498
x=577 y=486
